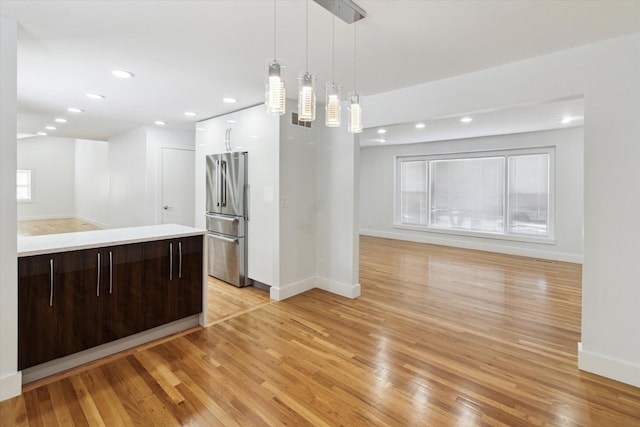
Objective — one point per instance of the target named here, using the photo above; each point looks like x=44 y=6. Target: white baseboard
x=599 y=364
x=10 y=386
x=476 y=244
x=338 y=288
x=291 y=289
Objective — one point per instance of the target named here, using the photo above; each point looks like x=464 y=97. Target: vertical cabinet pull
x=98 y=279
x=180 y=260
x=110 y=272
x=51 y=282
x=170 y=261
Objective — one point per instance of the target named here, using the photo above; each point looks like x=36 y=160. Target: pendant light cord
x=275 y=56
x=355 y=62
x=333 y=44
x=306 y=59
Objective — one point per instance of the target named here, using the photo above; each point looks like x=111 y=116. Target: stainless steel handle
x=219 y=186
x=180 y=260
x=98 y=279
x=51 y=282
x=224 y=218
x=226 y=239
x=224 y=184
x=110 y=272
x=170 y=261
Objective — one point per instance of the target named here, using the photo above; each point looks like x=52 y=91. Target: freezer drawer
x=229 y=225
x=228 y=259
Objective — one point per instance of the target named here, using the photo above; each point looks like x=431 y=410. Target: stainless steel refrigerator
x=227 y=217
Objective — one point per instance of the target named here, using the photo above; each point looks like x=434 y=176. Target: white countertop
x=52 y=243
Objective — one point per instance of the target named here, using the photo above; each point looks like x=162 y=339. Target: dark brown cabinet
x=122 y=284
x=172 y=286
x=38 y=310
x=71 y=301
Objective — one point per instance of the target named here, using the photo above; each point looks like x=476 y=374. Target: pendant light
x=274 y=97
x=333 y=110
x=355 y=110
x=306 y=95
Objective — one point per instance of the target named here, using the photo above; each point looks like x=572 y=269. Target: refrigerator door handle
x=226 y=239
x=223 y=182
x=224 y=218
x=218 y=186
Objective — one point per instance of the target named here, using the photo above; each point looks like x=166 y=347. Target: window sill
x=494 y=236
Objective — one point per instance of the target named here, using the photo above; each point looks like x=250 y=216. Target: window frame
x=29 y=185
x=504 y=235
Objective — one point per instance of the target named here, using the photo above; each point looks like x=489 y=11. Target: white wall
x=10 y=378
x=51 y=161
x=377 y=192
x=129 y=195
x=337 y=212
x=298 y=205
x=92 y=181
x=606 y=73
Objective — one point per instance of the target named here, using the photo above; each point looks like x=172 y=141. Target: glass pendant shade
x=274 y=97
x=355 y=114
x=306 y=98
x=333 y=109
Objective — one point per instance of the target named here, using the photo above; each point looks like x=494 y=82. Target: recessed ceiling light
x=189 y=113
x=420 y=126
x=50 y=127
x=381 y=131
x=94 y=96
x=122 y=74
x=60 y=120
x=229 y=100
x=75 y=110
x=160 y=123
x=232 y=121
x=382 y=141
x=42 y=133
x=466 y=119
x=200 y=129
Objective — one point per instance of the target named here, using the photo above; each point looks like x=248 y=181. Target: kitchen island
x=86 y=295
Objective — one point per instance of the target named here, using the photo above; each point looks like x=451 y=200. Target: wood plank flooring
x=439 y=337
x=53 y=226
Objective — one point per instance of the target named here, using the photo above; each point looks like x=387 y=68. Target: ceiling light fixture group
x=275 y=97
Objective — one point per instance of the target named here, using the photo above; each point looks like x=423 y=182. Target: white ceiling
x=188 y=55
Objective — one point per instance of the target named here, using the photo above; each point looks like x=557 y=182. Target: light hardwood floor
x=53 y=226
x=439 y=337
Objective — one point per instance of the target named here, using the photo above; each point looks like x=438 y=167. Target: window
x=23 y=185
x=503 y=193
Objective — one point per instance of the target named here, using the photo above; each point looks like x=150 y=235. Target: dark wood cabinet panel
x=172 y=286
x=156 y=305
x=187 y=290
x=81 y=280
x=72 y=301
x=38 y=310
x=122 y=286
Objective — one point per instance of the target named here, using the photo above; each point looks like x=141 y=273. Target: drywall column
x=607 y=74
x=338 y=212
x=10 y=378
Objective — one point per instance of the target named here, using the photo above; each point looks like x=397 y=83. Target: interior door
x=178 y=192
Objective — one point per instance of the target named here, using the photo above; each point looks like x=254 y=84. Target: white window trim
x=550 y=150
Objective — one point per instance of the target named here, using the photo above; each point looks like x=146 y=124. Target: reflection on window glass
x=23 y=184
x=529 y=194
x=413 y=203
x=468 y=194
